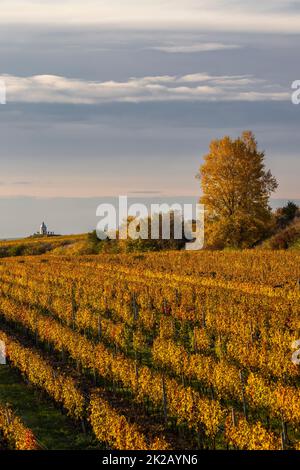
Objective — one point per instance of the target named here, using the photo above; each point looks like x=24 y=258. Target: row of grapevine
x=66 y=391
x=221 y=331
x=265 y=334
x=15 y=434
x=183 y=401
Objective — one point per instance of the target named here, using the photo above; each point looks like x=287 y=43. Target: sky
x=105 y=98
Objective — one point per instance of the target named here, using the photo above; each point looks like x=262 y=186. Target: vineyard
x=169 y=350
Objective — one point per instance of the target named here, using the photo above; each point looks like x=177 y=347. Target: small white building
x=43 y=229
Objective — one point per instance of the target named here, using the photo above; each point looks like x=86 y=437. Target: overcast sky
x=123 y=97
x=266 y=15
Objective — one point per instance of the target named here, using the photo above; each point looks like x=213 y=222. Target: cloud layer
x=193 y=48
x=191 y=87
x=240 y=15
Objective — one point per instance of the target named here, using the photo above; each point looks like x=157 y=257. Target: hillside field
x=169 y=350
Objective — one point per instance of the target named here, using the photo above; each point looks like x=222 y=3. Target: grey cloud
x=21 y=183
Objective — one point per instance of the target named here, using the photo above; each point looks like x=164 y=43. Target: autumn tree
x=285 y=215
x=236 y=188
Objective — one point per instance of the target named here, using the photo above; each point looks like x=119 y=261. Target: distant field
x=170 y=350
x=38 y=245
x=39 y=239
x=85 y=245
x=53 y=240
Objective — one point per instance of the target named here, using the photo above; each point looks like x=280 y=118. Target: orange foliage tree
x=236 y=188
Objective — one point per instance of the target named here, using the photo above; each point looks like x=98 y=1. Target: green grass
x=296 y=245
x=53 y=429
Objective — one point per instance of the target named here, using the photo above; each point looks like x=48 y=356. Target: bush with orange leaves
x=117 y=431
x=246 y=436
x=14 y=432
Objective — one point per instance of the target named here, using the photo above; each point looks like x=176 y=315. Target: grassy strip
x=53 y=430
